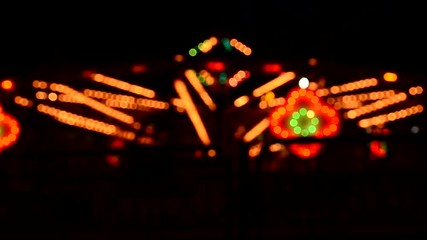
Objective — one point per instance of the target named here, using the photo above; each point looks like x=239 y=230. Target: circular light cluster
x=304 y=122
x=9 y=130
x=304 y=115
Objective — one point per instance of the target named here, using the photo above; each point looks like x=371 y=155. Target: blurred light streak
x=93 y=103
x=85 y=122
x=392 y=116
x=347 y=87
x=241 y=101
x=277 y=82
x=377 y=105
x=194 y=81
x=256 y=130
x=113 y=82
x=240 y=47
x=390 y=77
x=192 y=112
x=25 y=102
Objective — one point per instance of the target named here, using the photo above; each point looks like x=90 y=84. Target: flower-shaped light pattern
x=304 y=115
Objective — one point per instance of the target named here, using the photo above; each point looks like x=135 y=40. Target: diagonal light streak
x=192 y=112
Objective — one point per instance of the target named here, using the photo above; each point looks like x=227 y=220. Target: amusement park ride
x=261 y=102
x=217 y=103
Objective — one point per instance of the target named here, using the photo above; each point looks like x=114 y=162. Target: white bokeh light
x=303 y=83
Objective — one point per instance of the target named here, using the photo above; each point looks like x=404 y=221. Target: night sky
x=384 y=34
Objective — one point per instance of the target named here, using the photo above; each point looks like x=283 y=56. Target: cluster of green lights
x=304 y=122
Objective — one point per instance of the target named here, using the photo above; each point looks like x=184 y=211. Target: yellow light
x=241 y=101
x=390 y=77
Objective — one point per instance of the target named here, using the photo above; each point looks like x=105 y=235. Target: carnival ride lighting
x=204 y=47
x=126 y=101
x=240 y=47
x=25 y=102
x=356 y=100
x=215 y=66
x=241 y=101
x=275 y=83
x=351 y=86
x=272 y=68
x=379 y=104
x=415 y=90
x=239 y=77
x=7 y=84
x=206 y=78
x=390 y=77
x=194 y=81
x=192 y=112
x=255 y=150
x=120 y=84
x=256 y=130
x=392 y=116
x=99 y=106
x=85 y=122
x=9 y=130
x=303 y=83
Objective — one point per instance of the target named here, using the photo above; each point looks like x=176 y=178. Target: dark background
x=55 y=183
x=384 y=33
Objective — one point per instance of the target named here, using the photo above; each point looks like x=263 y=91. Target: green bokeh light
x=304 y=124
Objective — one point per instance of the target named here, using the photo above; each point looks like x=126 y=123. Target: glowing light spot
x=293 y=122
x=390 y=77
x=312 y=61
x=284 y=134
x=303 y=83
x=211 y=153
x=415 y=129
x=192 y=52
x=113 y=160
x=7 y=84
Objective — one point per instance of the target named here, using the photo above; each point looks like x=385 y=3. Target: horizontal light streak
x=392 y=116
x=25 y=102
x=123 y=85
x=85 y=122
x=241 y=101
x=347 y=87
x=377 y=105
x=93 y=103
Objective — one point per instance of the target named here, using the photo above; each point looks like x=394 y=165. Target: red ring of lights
x=329 y=121
x=11 y=130
x=279 y=117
